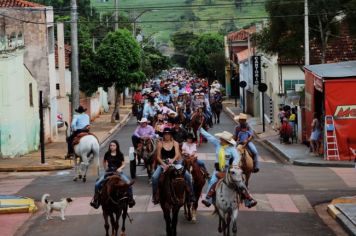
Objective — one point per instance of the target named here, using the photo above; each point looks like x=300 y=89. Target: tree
x=182 y=42
x=285 y=34
x=118 y=63
x=207 y=57
x=153 y=61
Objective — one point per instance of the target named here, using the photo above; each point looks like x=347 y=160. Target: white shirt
x=189 y=148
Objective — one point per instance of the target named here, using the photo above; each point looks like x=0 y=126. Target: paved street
x=286 y=195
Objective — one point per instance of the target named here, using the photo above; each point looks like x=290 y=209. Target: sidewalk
x=56 y=151
x=343 y=210
x=296 y=154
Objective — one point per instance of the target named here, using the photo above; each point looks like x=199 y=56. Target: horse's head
x=117 y=187
x=178 y=186
x=189 y=162
x=234 y=174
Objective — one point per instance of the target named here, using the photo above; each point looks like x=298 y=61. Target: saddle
x=220 y=175
x=77 y=138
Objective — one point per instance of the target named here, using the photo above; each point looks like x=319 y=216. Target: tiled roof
x=241 y=34
x=340 y=48
x=243 y=55
x=67 y=57
x=18 y=3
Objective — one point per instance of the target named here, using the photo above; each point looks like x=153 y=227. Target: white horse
x=86 y=150
x=228 y=200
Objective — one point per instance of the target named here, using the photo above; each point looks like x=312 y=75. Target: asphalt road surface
x=286 y=195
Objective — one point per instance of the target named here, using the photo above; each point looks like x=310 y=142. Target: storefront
x=330 y=92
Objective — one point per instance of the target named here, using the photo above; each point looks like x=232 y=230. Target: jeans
x=135 y=140
x=253 y=149
x=99 y=182
x=157 y=174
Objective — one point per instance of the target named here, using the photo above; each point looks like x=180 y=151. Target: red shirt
x=137 y=97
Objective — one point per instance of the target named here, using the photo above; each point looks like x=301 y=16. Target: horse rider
x=226 y=154
x=149 y=109
x=217 y=96
x=242 y=119
x=114 y=164
x=143 y=131
x=168 y=153
x=80 y=124
x=137 y=97
x=189 y=150
x=164 y=109
x=179 y=133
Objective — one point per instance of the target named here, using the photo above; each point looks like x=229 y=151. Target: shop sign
x=345 y=112
x=256 y=70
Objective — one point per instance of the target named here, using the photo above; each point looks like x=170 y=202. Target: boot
x=155 y=198
x=95 y=202
x=249 y=201
x=131 y=201
x=209 y=197
x=206 y=173
x=255 y=168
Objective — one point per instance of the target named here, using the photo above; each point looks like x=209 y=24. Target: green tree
x=118 y=63
x=285 y=35
x=207 y=57
x=182 y=42
x=153 y=61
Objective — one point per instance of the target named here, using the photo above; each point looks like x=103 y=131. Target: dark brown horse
x=216 y=108
x=173 y=193
x=114 y=202
x=197 y=120
x=145 y=151
x=191 y=165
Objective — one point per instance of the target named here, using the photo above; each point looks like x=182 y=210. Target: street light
x=136 y=18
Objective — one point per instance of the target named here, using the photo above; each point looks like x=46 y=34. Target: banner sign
x=256 y=69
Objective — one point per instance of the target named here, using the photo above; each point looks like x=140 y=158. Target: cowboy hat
x=242 y=116
x=227 y=136
x=80 y=109
x=143 y=120
x=167 y=130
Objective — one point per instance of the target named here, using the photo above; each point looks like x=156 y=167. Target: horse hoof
x=80 y=176
x=122 y=234
x=194 y=220
x=75 y=179
x=220 y=230
x=84 y=179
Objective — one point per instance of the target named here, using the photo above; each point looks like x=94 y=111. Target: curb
x=345 y=223
x=285 y=158
x=47 y=167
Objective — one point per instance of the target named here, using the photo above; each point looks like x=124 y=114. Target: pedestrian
x=286 y=131
x=315 y=135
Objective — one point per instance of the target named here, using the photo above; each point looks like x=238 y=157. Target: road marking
x=283 y=203
x=348 y=175
x=12 y=186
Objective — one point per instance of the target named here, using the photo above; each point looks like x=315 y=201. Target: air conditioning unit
x=299 y=87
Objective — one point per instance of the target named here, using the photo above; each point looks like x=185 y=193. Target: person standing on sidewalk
x=315 y=135
x=242 y=119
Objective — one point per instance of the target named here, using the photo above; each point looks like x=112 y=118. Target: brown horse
x=191 y=165
x=216 y=108
x=246 y=163
x=145 y=151
x=114 y=202
x=197 y=120
x=173 y=193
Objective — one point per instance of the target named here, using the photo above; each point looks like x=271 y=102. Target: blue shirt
x=148 y=111
x=80 y=121
x=230 y=151
x=243 y=136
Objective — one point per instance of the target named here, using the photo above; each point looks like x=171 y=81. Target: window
x=50 y=40
x=290 y=84
x=30 y=94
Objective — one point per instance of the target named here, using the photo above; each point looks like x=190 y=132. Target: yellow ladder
x=332 y=150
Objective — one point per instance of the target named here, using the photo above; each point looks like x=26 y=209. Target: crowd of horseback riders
x=174 y=116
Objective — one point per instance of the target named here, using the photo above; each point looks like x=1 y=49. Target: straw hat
x=227 y=136
x=144 y=120
x=242 y=116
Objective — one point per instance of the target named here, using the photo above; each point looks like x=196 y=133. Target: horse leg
x=228 y=221
x=234 y=221
x=76 y=168
x=106 y=224
x=248 y=174
x=167 y=218
x=218 y=115
x=175 y=220
x=85 y=166
x=220 y=229
x=123 y=229
x=113 y=227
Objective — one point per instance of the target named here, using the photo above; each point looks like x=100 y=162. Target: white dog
x=55 y=206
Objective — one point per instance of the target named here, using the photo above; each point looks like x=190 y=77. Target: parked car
x=60 y=122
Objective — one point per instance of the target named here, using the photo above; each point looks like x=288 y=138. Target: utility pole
x=116 y=14
x=75 y=68
x=306 y=32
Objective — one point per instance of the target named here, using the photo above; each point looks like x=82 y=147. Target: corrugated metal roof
x=334 y=70
x=18 y=3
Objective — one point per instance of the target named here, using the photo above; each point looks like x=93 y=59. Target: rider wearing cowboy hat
x=226 y=154
x=242 y=119
x=79 y=124
x=144 y=130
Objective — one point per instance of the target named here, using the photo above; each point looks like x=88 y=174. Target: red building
x=330 y=92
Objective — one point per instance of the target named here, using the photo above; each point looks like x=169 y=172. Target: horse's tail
x=95 y=149
x=44 y=198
